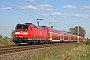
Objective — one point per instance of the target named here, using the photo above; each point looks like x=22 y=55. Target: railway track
x=11 y=49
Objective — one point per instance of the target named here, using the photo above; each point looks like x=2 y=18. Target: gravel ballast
x=24 y=54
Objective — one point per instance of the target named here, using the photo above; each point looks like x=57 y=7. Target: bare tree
x=74 y=31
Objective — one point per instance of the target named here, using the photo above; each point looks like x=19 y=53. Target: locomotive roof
x=26 y=24
x=41 y=27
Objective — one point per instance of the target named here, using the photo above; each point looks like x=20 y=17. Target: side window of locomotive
x=25 y=27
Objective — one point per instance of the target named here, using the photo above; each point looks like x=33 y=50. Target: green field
x=75 y=52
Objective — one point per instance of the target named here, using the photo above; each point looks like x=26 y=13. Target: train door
x=61 y=37
x=50 y=35
x=69 y=37
x=31 y=33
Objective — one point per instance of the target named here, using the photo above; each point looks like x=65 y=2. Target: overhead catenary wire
x=20 y=5
x=30 y=3
x=56 y=16
x=27 y=13
x=17 y=9
x=38 y=8
x=44 y=11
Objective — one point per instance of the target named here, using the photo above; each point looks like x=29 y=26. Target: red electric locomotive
x=29 y=33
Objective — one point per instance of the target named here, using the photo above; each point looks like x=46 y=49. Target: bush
x=6 y=41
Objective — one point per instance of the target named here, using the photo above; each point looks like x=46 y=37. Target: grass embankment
x=87 y=53
x=74 y=52
x=6 y=41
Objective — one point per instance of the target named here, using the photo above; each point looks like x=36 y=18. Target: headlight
x=15 y=36
x=17 y=32
x=25 y=33
x=25 y=36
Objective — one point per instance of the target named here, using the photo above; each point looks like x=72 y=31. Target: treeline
x=5 y=40
x=3 y=37
x=75 y=31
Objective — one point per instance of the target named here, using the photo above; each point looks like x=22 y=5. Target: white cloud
x=85 y=8
x=46 y=5
x=68 y=15
x=29 y=8
x=69 y=7
x=55 y=14
x=8 y=8
x=48 y=9
x=38 y=8
x=80 y=15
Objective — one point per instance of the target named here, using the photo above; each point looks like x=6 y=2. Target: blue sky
x=63 y=14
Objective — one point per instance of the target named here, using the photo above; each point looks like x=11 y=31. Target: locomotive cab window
x=22 y=27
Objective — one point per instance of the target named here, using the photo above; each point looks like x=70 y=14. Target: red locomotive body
x=29 y=33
